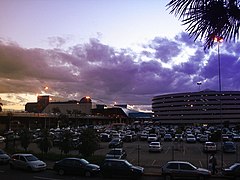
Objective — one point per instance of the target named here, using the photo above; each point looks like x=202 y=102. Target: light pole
x=199 y=85
x=219 y=40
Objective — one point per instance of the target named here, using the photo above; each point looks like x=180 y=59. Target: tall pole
x=219 y=40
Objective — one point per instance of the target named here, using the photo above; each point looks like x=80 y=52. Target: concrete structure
x=197 y=107
x=43 y=105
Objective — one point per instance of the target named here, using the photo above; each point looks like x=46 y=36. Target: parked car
x=4 y=158
x=190 y=138
x=116 y=153
x=104 y=137
x=120 y=168
x=143 y=136
x=76 y=166
x=209 y=147
x=155 y=147
x=232 y=171
x=128 y=138
x=183 y=169
x=203 y=138
x=2 y=139
x=178 y=137
x=152 y=137
x=225 y=137
x=27 y=162
x=115 y=143
x=236 y=137
x=229 y=147
x=167 y=137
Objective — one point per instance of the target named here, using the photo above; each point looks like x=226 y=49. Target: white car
x=27 y=162
x=155 y=147
x=209 y=147
x=180 y=169
x=152 y=137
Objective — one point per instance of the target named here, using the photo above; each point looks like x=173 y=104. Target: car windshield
x=83 y=161
x=234 y=166
x=115 y=152
x=154 y=143
x=2 y=152
x=128 y=163
x=31 y=158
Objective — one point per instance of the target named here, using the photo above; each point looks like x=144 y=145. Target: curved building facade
x=197 y=107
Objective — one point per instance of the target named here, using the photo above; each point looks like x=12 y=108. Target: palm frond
x=208 y=18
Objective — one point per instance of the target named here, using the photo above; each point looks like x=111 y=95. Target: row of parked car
x=111 y=166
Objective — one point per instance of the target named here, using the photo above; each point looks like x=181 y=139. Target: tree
x=89 y=142
x=66 y=142
x=208 y=18
x=45 y=143
x=25 y=138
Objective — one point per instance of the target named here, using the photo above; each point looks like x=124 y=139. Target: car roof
x=118 y=149
x=117 y=160
x=22 y=154
x=182 y=162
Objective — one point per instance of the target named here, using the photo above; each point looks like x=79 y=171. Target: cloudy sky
x=114 y=51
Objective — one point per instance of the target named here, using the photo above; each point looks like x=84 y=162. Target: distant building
x=43 y=105
x=197 y=107
x=119 y=111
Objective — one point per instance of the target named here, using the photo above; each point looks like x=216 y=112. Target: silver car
x=155 y=147
x=27 y=162
x=4 y=158
x=184 y=170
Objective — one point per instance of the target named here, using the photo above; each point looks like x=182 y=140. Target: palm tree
x=209 y=18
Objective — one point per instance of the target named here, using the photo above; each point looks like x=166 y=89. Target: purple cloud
x=102 y=72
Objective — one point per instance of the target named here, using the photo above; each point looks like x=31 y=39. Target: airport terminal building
x=210 y=107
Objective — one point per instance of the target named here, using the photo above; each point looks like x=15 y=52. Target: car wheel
x=61 y=172
x=29 y=168
x=168 y=177
x=87 y=174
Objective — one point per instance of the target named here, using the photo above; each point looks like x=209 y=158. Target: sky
x=123 y=52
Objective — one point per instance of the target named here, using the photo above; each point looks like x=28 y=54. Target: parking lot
x=137 y=153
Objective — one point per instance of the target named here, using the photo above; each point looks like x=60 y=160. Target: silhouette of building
x=43 y=105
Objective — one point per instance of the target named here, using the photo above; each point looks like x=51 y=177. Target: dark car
x=76 y=166
x=104 y=137
x=229 y=147
x=115 y=143
x=184 y=170
x=232 y=171
x=120 y=168
x=4 y=158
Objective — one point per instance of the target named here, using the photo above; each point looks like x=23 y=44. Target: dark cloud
x=109 y=74
x=165 y=49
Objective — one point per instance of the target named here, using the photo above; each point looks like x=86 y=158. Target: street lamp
x=219 y=40
x=199 y=85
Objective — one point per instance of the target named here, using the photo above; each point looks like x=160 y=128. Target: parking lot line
x=167 y=150
x=153 y=162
